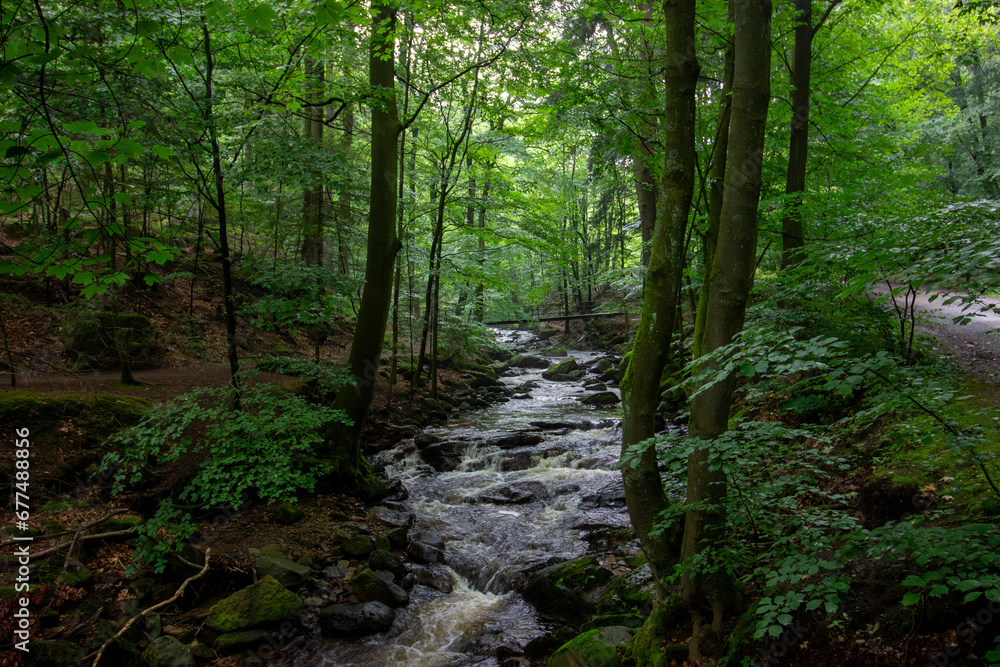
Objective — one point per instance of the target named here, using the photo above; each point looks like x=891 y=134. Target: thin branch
x=132 y=621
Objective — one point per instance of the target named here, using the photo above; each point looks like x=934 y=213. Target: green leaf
x=163 y=151
x=910 y=599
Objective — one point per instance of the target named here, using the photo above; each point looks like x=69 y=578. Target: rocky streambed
x=507 y=535
x=518 y=532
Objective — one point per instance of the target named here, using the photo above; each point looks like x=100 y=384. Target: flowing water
x=512 y=502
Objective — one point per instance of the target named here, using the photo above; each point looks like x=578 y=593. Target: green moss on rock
x=267 y=601
x=594 y=648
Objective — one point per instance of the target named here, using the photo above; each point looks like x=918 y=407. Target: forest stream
x=534 y=476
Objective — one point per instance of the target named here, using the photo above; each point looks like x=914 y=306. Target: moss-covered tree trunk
x=383 y=245
x=715 y=191
x=731 y=279
x=641 y=386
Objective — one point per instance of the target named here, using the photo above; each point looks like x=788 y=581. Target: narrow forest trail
x=975 y=346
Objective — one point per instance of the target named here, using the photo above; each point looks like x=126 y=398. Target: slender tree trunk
x=345 y=204
x=383 y=245
x=220 y=207
x=640 y=387
x=731 y=279
x=312 y=197
x=715 y=192
x=792 y=237
x=479 y=304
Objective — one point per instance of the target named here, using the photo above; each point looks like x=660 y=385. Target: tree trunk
x=731 y=279
x=715 y=192
x=640 y=388
x=220 y=207
x=383 y=245
x=792 y=237
x=312 y=198
x=344 y=205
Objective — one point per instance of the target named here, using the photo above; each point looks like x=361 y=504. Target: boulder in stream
x=568 y=590
x=444 y=456
x=426 y=547
x=355 y=620
x=562 y=368
x=528 y=361
x=601 y=398
x=387 y=561
x=517 y=493
x=514 y=440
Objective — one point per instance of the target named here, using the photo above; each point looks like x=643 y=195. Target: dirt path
x=976 y=345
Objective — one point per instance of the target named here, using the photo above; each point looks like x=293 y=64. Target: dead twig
x=70 y=530
x=85 y=538
x=132 y=621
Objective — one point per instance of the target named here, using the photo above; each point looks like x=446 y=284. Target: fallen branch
x=70 y=530
x=132 y=621
x=85 y=538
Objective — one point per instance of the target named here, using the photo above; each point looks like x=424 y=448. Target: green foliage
x=296 y=296
x=265 y=448
x=959 y=559
x=162 y=535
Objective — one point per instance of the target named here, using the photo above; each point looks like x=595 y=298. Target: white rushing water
x=560 y=486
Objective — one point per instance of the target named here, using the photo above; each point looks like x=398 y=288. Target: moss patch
x=267 y=601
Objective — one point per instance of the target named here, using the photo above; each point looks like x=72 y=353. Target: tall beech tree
x=383 y=245
x=792 y=235
x=730 y=281
x=640 y=387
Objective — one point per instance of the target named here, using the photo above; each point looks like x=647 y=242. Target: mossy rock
x=601 y=398
x=167 y=651
x=287 y=572
x=124 y=522
x=94 y=417
x=556 y=351
x=234 y=642
x=627 y=620
x=594 y=648
x=370 y=587
x=568 y=590
x=562 y=368
x=76 y=574
x=357 y=546
x=94 y=340
x=267 y=601
x=123 y=653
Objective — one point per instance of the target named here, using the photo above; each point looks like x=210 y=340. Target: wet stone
x=517 y=493
x=370 y=587
x=426 y=547
x=515 y=440
x=435 y=578
x=387 y=561
x=355 y=620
